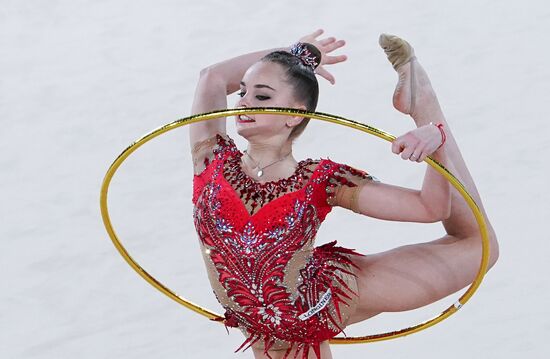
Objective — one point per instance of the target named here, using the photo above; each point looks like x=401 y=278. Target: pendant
x=260 y=173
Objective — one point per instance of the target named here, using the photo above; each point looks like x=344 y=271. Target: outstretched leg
x=415 y=275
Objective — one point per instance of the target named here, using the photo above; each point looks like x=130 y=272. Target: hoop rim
x=319 y=116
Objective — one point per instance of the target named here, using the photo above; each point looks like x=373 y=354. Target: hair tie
x=301 y=51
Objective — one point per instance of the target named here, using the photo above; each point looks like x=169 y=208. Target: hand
x=325 y=46
x=417 y=144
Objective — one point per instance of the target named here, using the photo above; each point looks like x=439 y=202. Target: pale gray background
x=81 y=80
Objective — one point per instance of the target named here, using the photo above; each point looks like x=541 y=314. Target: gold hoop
x=320 y=116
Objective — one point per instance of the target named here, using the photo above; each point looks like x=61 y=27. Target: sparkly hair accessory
x=300 y=50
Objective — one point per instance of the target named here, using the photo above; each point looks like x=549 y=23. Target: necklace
x=260 y=172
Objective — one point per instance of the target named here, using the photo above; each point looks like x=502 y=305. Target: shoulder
x=342 y=173
x=343 y=182
x=205 y=151
x=214 y=143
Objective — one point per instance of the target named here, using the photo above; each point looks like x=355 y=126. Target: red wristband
x=443 y=136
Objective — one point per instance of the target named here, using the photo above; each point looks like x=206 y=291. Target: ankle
x=421 y=120
x=427 y=110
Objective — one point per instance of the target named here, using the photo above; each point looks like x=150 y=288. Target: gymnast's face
x=264 y=85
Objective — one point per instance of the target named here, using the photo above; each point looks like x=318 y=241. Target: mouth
x=244 y=119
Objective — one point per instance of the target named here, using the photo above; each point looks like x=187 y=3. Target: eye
x=259 y=97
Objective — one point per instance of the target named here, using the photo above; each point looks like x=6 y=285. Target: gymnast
x=257 y=211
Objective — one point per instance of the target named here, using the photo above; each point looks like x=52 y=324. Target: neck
x=265 y=153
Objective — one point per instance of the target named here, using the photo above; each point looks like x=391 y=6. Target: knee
x=493 y=248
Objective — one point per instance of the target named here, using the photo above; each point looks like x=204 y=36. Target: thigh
x=412 y=276
x=279 y=354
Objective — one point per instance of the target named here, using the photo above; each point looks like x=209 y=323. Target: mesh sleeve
x=344 y=185
x=203 y=152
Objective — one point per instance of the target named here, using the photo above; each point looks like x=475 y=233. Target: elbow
x=208 y=73
x=204 y=71
x=439 y=214
x=212 y=78
x=441 y=208
x=436 y=209
x=438 y=217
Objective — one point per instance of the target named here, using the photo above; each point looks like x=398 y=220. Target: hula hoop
x=319 y=116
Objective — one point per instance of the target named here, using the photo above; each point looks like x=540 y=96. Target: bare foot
x=413 y=93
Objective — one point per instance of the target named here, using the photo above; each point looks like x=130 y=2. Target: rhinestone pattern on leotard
x=255 y=194
x=261 y=262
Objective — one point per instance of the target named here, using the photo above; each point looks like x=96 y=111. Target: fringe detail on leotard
x=318 y=276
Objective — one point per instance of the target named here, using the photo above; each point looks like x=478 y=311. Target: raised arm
x=215 y=83
x=223 y=78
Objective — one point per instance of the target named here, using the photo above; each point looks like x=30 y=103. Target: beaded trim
x=259 y=193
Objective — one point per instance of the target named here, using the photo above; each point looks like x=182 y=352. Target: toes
x=398 y=51
x=382 y=40
x=391 y=42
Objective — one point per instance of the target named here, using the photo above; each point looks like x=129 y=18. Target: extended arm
x=384 y=201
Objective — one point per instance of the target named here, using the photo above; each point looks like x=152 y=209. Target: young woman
x=257 y=212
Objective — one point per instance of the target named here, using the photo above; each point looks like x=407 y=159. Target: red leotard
x=257 y=242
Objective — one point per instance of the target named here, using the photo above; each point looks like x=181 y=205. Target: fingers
x=316 y=33
x=311 y=37
x=331 y=46
x=422 y=156
x=417 y=155
x=325 y=74
x=327 y=41
x=409 y=149
x=397 y=145
x=326 y=46
x=416 y=152
x=329 y=60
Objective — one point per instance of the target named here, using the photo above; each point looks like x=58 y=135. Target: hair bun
x=307 y=53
